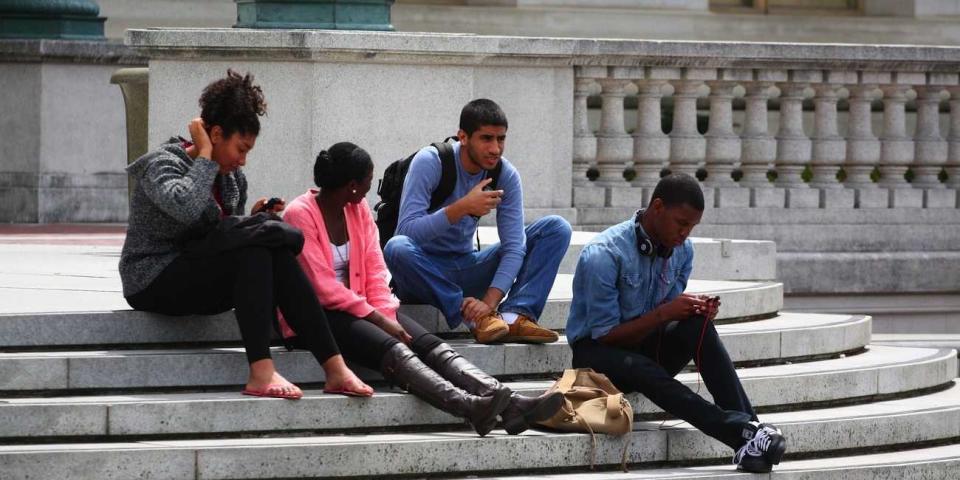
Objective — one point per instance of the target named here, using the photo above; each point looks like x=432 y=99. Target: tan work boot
x=525 y=330
x=490 y=328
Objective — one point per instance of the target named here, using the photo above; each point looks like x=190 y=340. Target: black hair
x=677 y=189
x=481 y=112
x=234 y=104
x=341 y=163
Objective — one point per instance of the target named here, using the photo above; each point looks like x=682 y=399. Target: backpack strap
x=448 y=175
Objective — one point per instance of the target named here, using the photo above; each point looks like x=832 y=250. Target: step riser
x=464 y=452
x=135 y=328
x=313 y=412
x=229 y=367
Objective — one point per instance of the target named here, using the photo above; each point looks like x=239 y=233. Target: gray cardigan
x=173 y=198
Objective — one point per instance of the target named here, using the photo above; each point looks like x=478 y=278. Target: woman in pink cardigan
x=342 y=258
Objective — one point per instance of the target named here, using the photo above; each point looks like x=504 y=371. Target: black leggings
x=253 y=281
x=364 y=343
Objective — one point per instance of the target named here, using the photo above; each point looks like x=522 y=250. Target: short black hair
x=339 y=164
x=480 y=112
x=677 y=189
x=234 y=103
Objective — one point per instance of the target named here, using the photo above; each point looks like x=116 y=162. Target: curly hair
x=234 y=103
x=339 y=164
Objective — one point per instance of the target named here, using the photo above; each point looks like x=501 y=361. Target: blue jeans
x=444 y=280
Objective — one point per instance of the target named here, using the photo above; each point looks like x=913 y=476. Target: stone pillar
x=614 y=145
x=793 y=146
x=930 y=148
x=687 y=145
x=55 y=19
x=584 y=142
x=723 y=145
x=651 y=147
x=759 y=148
x=863 y=149
x=896 y=148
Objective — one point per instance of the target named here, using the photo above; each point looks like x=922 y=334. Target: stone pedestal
x=906 y=198
x=768 y=197
x=802 y=198
x=634 y=197
x=726 y=197
x=872 y=198
x=63 y=132
x=315 y=14
x=589 y=196
x=837 y=198
x=54 y=19
x=939 y=198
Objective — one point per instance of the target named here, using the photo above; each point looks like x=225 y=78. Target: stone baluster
x=614 y=145
x=759 y=148
x=896 y=148
x=863 y=148
x=584 y=141
x=651 y=147
x=930 y=151
x=953 y=140
x=793 y=146
x=687 y=145
x=829 y=148
x=723 y=144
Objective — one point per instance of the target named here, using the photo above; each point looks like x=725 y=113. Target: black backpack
x=390 y=187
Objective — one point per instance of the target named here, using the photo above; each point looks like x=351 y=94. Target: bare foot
x=342 y=380
x=265 y=381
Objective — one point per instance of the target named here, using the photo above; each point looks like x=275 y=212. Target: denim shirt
x=614 y=284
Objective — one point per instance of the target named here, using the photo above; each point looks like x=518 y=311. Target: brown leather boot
x=521 y=412
x=403 y=368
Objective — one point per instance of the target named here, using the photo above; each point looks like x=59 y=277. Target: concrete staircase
x=90 y=389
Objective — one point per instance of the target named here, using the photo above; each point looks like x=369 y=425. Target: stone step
x=714 y=259
x=929 y=418
x=919 y=340
x=58 y=321
x=785 y=336
x=934 y=463
x=879 y=371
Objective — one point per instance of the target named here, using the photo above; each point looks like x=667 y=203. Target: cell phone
x=268 y=207
x=714 y=299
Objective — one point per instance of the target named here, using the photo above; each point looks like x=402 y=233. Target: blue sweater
x=434 y=233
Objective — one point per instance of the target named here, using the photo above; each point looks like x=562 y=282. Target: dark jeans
x=253 y=281
x=638 y=370
x=364 y=343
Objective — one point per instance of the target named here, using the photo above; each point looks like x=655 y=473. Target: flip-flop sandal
x=348 y=391
x=275 y=390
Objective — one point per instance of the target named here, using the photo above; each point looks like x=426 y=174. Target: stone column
x=687 y=145
x=723 y=145
x=584 y=142
x=614 y=145
x=651 y=147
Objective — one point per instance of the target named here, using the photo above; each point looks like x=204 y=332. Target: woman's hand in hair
x=259 y=204
x=392 y=328
x=200 y=138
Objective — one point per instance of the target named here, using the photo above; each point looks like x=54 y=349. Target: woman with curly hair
x=187 y=187
x=342 y=258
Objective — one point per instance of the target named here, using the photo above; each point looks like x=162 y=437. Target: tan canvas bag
x=591 y=405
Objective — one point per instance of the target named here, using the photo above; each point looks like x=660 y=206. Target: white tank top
x=341 y=260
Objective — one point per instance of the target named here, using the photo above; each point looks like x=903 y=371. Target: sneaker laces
x=758 y=445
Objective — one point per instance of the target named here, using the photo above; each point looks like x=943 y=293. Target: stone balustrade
x=393 y=92
x=829 y=167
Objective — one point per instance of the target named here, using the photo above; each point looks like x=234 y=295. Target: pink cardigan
x=369 y=278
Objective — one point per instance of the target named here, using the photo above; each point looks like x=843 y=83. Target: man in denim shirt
x=631 y=321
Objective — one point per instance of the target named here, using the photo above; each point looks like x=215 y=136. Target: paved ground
x=57 y=268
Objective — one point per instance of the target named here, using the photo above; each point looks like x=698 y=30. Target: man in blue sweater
x=631 y=321
x=432 y=257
